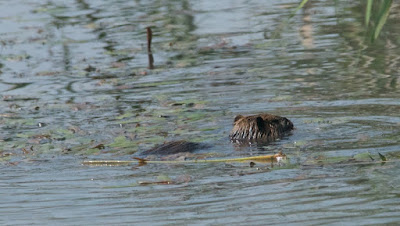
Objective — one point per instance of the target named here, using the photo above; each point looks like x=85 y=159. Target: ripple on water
x=74 y=86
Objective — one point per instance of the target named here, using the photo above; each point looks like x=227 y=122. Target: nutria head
x=262 y=127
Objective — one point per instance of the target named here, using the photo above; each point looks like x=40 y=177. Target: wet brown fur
x=174 y=147
x=262 y=127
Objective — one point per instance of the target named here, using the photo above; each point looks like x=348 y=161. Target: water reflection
x=80 y=68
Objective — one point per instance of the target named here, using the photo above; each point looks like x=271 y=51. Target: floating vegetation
x=120 y=142
x=340 y=161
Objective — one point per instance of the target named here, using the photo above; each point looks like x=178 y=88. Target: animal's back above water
x=174 y=147
x=262 y=127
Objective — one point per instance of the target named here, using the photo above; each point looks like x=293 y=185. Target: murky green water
x=75 y=86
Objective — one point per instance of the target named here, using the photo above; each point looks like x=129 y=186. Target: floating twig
x=264 y=158
x=149 y=37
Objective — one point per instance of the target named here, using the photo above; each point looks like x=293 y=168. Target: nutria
x=262 y=127
x=174 y=147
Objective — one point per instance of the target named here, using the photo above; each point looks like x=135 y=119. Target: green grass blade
x=383 y=15
x=303 y=2
x=368 y=12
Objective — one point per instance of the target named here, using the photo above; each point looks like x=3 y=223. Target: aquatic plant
x=379 y=16
x=375 y=15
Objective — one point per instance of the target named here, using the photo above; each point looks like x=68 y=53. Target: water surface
x=75 y=86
